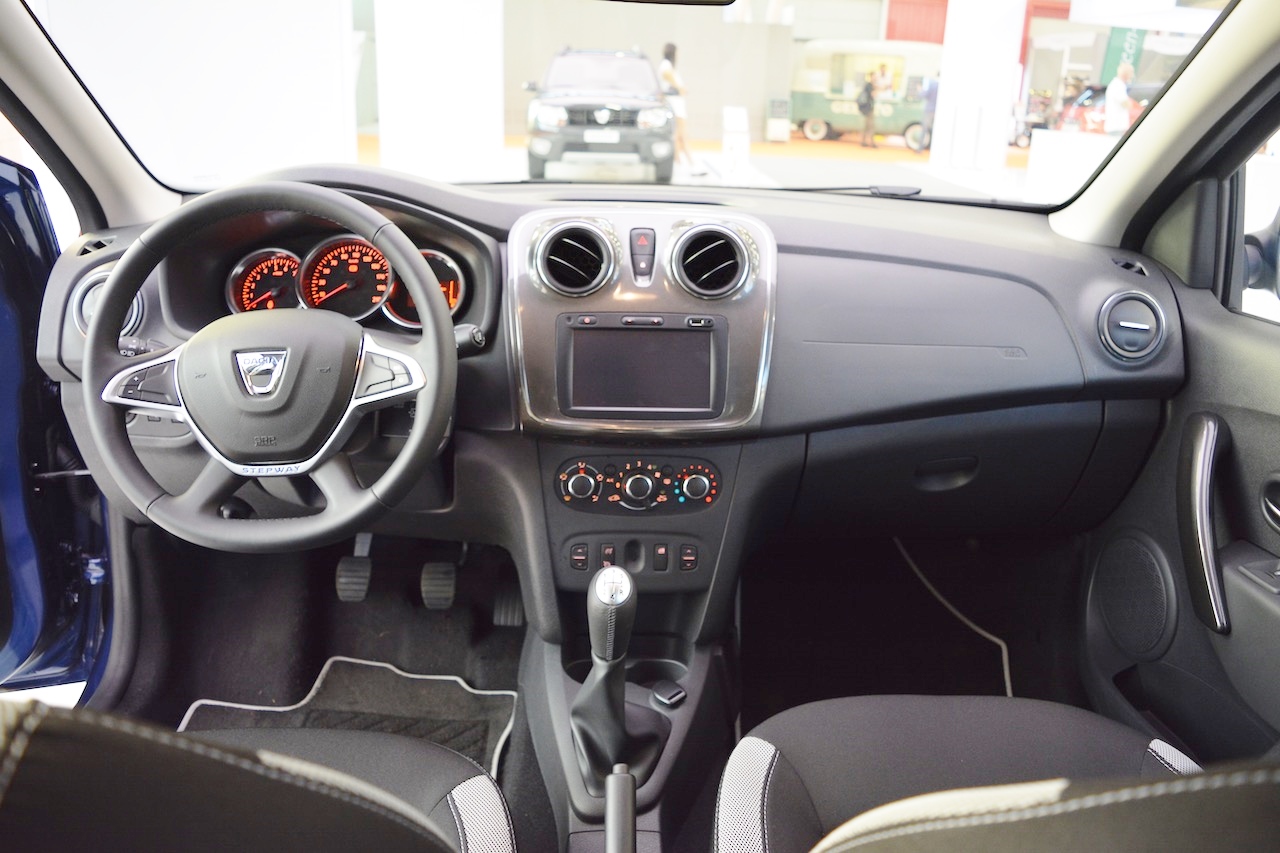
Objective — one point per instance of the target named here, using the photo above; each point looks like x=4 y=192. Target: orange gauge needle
x=267 y=295
x=333 y=292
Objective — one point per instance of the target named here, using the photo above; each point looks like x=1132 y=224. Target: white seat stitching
x=199 y=748
x=1182 y=785
x=457 y=821
x=1175 y=771
x=16 y=750
x=764 y=800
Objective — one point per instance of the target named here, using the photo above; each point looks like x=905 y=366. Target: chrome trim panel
x=531 y=312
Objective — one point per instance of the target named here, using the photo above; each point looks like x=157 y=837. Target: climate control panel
x=618 y=484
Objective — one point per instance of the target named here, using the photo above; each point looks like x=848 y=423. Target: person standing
x=883 y=81
x=867 y=106
x=1119 y=105
x=673 y=88
x=930 y=98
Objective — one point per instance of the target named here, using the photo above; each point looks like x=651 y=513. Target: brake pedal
x=354 y=572
x=508 y=607
x=438 y=585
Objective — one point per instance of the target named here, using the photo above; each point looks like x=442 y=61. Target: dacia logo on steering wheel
x=261 y=370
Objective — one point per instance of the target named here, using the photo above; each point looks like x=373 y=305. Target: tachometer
x=399 y=306
x=264 y=280
x=347 y=275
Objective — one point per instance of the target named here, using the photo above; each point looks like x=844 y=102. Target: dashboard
x=655 y=377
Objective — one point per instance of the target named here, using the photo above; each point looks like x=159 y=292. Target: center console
x=641 y=343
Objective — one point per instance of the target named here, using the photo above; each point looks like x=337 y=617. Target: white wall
x=440 y=61
x=979 y=81
x=234 y=125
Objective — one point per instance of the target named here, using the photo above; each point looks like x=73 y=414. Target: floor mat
x=841 y=618
x=363 y=695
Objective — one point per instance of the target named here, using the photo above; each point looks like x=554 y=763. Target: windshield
x=1014 y=100
x=610 y=72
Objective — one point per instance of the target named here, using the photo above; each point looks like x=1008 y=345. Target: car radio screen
x=641 y=369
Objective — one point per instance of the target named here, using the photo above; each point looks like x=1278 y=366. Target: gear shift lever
x=598 y=714
x=611 y=613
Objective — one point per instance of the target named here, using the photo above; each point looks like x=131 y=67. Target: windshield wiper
x=878 y=190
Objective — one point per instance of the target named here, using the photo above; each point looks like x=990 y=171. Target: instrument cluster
x=346 y=274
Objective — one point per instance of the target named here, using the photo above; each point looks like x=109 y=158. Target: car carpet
x=825 y=619
x=359 y=695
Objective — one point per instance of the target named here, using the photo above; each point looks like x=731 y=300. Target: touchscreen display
x=641 y=369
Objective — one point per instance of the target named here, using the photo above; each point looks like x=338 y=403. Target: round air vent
x=575 y=258
x=710 y=261
x=85 y=301
x=1131 y=325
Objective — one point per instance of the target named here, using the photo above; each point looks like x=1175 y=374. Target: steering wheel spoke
x=336 y=480
x=148 y=384
x=213 y=485
x=389 y=373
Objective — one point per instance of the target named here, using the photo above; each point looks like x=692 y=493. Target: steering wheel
x=271 y=393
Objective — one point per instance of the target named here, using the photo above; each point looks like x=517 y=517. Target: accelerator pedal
x=354 y=572
x=508 y=607
x=438 y=585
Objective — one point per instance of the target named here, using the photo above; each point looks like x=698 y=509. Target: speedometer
x=347 y=275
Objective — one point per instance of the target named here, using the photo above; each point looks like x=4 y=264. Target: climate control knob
x=581 y=486
x=638 y=487
x=696 y=486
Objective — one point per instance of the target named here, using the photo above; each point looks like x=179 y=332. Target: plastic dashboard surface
x=870 y=310
x=859 y=312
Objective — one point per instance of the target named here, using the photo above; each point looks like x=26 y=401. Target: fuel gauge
x=399 y=306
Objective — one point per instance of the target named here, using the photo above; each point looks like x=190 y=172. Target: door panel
x=52 y=570
x=1215 y=687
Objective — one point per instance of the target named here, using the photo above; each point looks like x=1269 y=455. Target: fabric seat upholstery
x=75 y=779
x=455 y=793
x=803 y=772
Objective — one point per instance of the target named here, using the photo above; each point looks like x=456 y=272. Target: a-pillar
x=440 y=96
x=980 y=75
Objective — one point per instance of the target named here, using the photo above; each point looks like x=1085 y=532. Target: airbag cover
x=270 y=386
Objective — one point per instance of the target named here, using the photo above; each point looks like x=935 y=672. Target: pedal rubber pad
x=508 y=607
x=352 y=580
x=438 y=585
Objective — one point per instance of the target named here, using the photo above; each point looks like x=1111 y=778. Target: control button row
x=153 y=384
x=607 y=555
x=379 y=374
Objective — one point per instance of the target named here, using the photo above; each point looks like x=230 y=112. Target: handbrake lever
x=620 y=811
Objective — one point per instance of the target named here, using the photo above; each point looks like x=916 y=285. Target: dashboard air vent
x=96 y=244
x=710 y=261
x=575 y=258
x=1131 y=325
x=1130 y=265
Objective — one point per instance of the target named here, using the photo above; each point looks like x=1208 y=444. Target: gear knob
x=611 y=612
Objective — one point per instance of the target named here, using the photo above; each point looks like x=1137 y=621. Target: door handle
x=1205 y=437
x=1272 y=510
